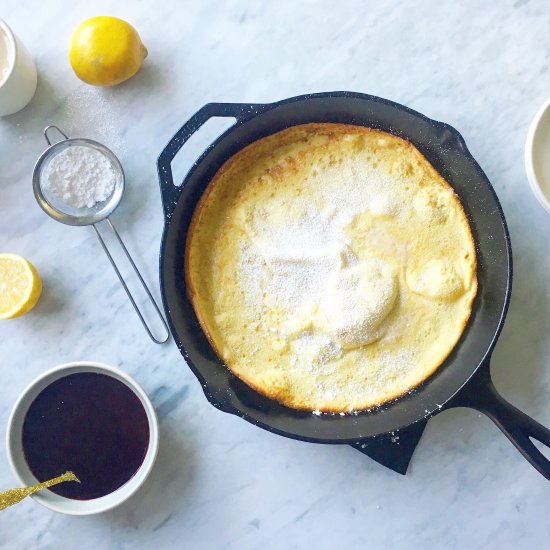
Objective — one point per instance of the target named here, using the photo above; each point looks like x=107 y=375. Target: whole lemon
x=105 y=51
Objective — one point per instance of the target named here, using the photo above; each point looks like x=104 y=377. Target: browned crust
x=305 y=130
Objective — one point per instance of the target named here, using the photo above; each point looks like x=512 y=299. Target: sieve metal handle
x=53 y=127
x=123 y=282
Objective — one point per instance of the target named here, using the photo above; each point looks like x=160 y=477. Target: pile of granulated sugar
x=291 y=262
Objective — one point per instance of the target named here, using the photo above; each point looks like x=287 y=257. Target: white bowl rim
x=120 y=495
x=532 y=178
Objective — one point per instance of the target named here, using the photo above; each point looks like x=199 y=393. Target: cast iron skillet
x=464 y=379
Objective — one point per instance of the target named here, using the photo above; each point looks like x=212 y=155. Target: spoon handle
x=13 y=496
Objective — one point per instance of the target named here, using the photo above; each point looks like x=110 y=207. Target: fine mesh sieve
x=70 y=215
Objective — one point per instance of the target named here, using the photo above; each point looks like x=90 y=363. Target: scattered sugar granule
x=80 y=176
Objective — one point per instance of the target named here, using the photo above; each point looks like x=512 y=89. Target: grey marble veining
x=220 y=482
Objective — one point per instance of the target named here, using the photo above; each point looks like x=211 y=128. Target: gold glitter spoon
x=13 y=496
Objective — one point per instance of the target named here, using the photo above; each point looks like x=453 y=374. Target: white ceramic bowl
x=19 y=83
x=14 y=444
x=537 y=155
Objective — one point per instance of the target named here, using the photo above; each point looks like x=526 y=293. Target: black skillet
x=464 y=379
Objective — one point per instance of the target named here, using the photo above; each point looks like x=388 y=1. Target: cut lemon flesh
x=20 y=286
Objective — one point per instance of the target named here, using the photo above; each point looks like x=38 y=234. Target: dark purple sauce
x=91 y=424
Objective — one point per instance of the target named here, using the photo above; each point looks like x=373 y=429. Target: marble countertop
x=220 y=482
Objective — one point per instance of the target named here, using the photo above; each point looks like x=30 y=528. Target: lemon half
x=105 y=51
x=20 y=286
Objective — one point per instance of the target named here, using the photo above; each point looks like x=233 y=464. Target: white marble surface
x=219 y=482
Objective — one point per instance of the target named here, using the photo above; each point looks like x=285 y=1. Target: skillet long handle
x=239 y=111
x=515 y=424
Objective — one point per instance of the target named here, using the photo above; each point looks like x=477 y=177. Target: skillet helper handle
x=515 y=424
x=169 y=191
x=125 y=286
